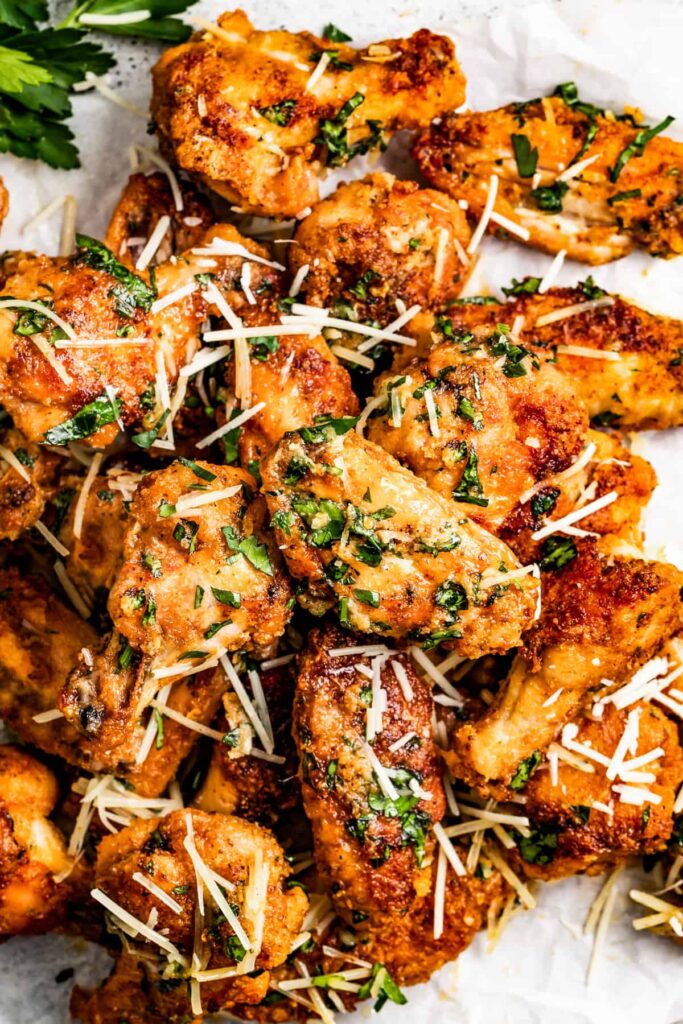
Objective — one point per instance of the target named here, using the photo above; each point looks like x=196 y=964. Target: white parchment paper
x=619 y=52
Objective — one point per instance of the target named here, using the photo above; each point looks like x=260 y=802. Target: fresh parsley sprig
x=40 y=64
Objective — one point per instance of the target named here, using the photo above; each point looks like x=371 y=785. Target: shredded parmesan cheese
x=478 y=233
x=557 y=525
x=553 y=270
x=153 y=243
x=81 y=503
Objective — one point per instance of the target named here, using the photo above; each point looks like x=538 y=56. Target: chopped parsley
x=279 y=113
x=387 y=989
x=620 y=197
x=525 y=770
x=528 y=286
x=228 y=597
x=637 y=147
x=557 y=552
x=540 y=846
x=549 y=197
x=200 y=471
x=452 y=596
x=131 y=292
x=525 y=157
x=335 y=35
x=87 y=421
x=333 y=134
x=470 y=488
x=254 y=550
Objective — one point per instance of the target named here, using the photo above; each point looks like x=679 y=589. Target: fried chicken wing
x=32 y=849
x=244 y=928
x=373 y=849
x=379 y=240
x=81 y=391
x=494 y=406
x=95 y=542
x=580 y=822
x=199 y=577
x=27 y=478
x=625 y=194
x=41 y=642
x=398 y=558
x=602 y=617
x=145 y=199
x=246 y=112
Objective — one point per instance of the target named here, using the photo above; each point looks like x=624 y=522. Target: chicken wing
x=372 y=837
x=257 y=115
x=199 y=576
x=567 y=174
x=121 y=335
x=395 y=557
x=379 y=240
x=40 y=644
x=482 y=399
x=145 y=199
x=240 y=928
x=602 y=617
x=584 y=821
x=32 y=849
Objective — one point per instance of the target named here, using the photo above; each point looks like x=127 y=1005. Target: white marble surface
x=619 y=52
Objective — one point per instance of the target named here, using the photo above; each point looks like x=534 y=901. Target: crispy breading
x=379 y=240
x=612 y=468
x=520 y=418
x=32 y=849
x=94 y=557
x=40 y=644
x=234 y=106
x=398 y=558
x=98 y=307
x=237 y=783
x=243 y=855
x=183 y=580
x=600 y=215
x=373 y=853
x=602 y=617
x=298 y=378
x=569 y=835
x=22 y=502
x=145 y=199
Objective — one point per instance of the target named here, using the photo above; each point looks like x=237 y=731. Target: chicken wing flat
x=32 y=849
x=248 y=113
x=580 y=822
x=484 y=408
x=379 y=240
x=145 y=199
x=241 y=929
x=107 y=368
x=41 y=642
x=569 y=175
x=395 y=557
x=373 y=848
x=602 y=618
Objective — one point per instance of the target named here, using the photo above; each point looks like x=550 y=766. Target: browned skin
x=32 y=391
x=386 y=871
x=143 y=201
x=648 y=377
x=40 y=643
x=462 y=151
x=422 y=547
x=594 y=844
x=152 y=601
x=614 y=611
x=248 y=786
x=523 y=429
x=22 y=502
x=208 y=93
x=612 y=468
x=231 y=847
x=300 y=380
x=377 y=240
x=95 y=556
x=32 y=849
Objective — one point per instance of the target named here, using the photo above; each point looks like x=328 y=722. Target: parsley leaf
x=333 y=134
x=528 y=286
x=134 y=292
x=387 y=989
x=525 y=157
x=637 y=147
x=91 y=418
x=279 y=113
x=557 y=552
x=549 y=197
x=335 y=35
x=470 y=488
x=525 y=770
x=254 y=550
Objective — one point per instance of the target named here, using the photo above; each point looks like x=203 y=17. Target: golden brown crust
x=142 y=203
x=401 y=560
x=589 y=838
x=208 y=93
x=369 y=856
x=461 y=152
x=378 y=240
x=22 y=502
x=602 y=617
